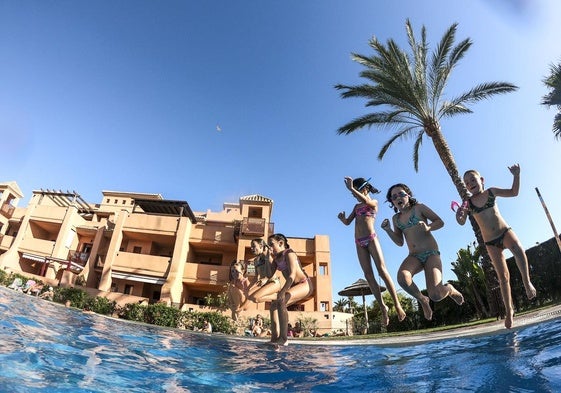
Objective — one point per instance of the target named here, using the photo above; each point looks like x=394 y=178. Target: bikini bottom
x=365 y=241
x=498 y=242
x=424 y=256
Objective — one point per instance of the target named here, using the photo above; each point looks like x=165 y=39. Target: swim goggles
x=364 y=184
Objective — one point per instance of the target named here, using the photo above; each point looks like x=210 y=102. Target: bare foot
x=385 y=316
x=400 y=313
x=456 y=295
x=509 y=319
x=425 y=304
x=530 y=291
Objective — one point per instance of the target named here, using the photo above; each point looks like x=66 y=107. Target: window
x=324 y=306
x=255 y=212
x=137 y=249
x=128 y=289
x=323 y=269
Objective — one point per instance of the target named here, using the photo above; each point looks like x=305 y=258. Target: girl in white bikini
x=367 y=244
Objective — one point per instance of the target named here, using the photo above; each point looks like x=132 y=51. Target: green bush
x=77 y=297
x=100 y=305
x=219 y=322
x=161 y=315
x=132 y=312
x=4 y=278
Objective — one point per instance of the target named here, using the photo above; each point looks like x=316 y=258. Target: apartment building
x=138 y=246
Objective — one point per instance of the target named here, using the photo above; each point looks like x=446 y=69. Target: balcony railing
x=7 y=210
x=254 y=227
x=78 y=257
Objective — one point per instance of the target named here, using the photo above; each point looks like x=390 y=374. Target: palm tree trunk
x=496 y=307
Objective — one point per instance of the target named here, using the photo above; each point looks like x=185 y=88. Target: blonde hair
x=476 y=173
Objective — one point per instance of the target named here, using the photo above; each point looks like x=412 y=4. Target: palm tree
x=408 y=90
x=340 y=305
x=471 y=277
x=553 y=82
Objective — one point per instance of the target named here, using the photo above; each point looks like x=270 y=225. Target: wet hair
x=412 y=201
x=261 y=242
x=360 y=183
x=279 y=237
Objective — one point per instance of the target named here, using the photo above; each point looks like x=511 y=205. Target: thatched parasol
x=360 y=288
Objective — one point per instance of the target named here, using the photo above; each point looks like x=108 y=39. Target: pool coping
x=491 y=328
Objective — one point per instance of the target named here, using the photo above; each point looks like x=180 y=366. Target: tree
x=553 y=98
x=340 y=305
x=471 y=278
x=408 y=92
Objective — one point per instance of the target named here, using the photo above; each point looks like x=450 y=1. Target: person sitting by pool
x=207 y=327
x=48 y=294
x=28 y=286
x=297 y=331
x=257 y=327
x=36 y=289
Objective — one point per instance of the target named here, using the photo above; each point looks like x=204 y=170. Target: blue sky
x=136 y=89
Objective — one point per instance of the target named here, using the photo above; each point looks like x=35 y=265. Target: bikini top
x=282 y=263
x=413 y=220
x=261 y=259
x=490 y=203
x=365 y=210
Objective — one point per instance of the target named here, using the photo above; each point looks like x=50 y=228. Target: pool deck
x=490 y=328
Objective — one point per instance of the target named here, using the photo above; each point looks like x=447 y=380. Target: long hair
x=412 y=201
x=360 y=183
x=279 y=237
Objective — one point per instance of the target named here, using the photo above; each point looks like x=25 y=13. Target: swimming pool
x=46 y=347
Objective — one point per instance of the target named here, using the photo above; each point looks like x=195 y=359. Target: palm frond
x=381 y=119
x=449 y=110
x=403 y=133
x=416 y=147
x=478 y=93
x=557 y=125
x=437 y=71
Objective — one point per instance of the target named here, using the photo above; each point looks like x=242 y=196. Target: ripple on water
x=47 y=347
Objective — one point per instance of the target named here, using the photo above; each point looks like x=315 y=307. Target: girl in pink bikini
x=415 y=222
x=297 y=286
x=496 y=233
x=367 y=244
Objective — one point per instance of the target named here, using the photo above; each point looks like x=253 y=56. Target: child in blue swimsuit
x=367 y=244
x=496 y=232
x=414 y=222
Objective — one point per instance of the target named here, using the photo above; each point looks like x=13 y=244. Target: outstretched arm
x=515 y=188
x=357 y=194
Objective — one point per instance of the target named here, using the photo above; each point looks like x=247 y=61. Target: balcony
x=151 y=265
x=249 y=226
x=206 y=274
x=78 y=258
x=37 y=246
x=7 y=210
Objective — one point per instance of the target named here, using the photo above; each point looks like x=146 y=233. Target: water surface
x=47 y=347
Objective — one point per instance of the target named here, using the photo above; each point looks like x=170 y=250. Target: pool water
x=47 y=347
